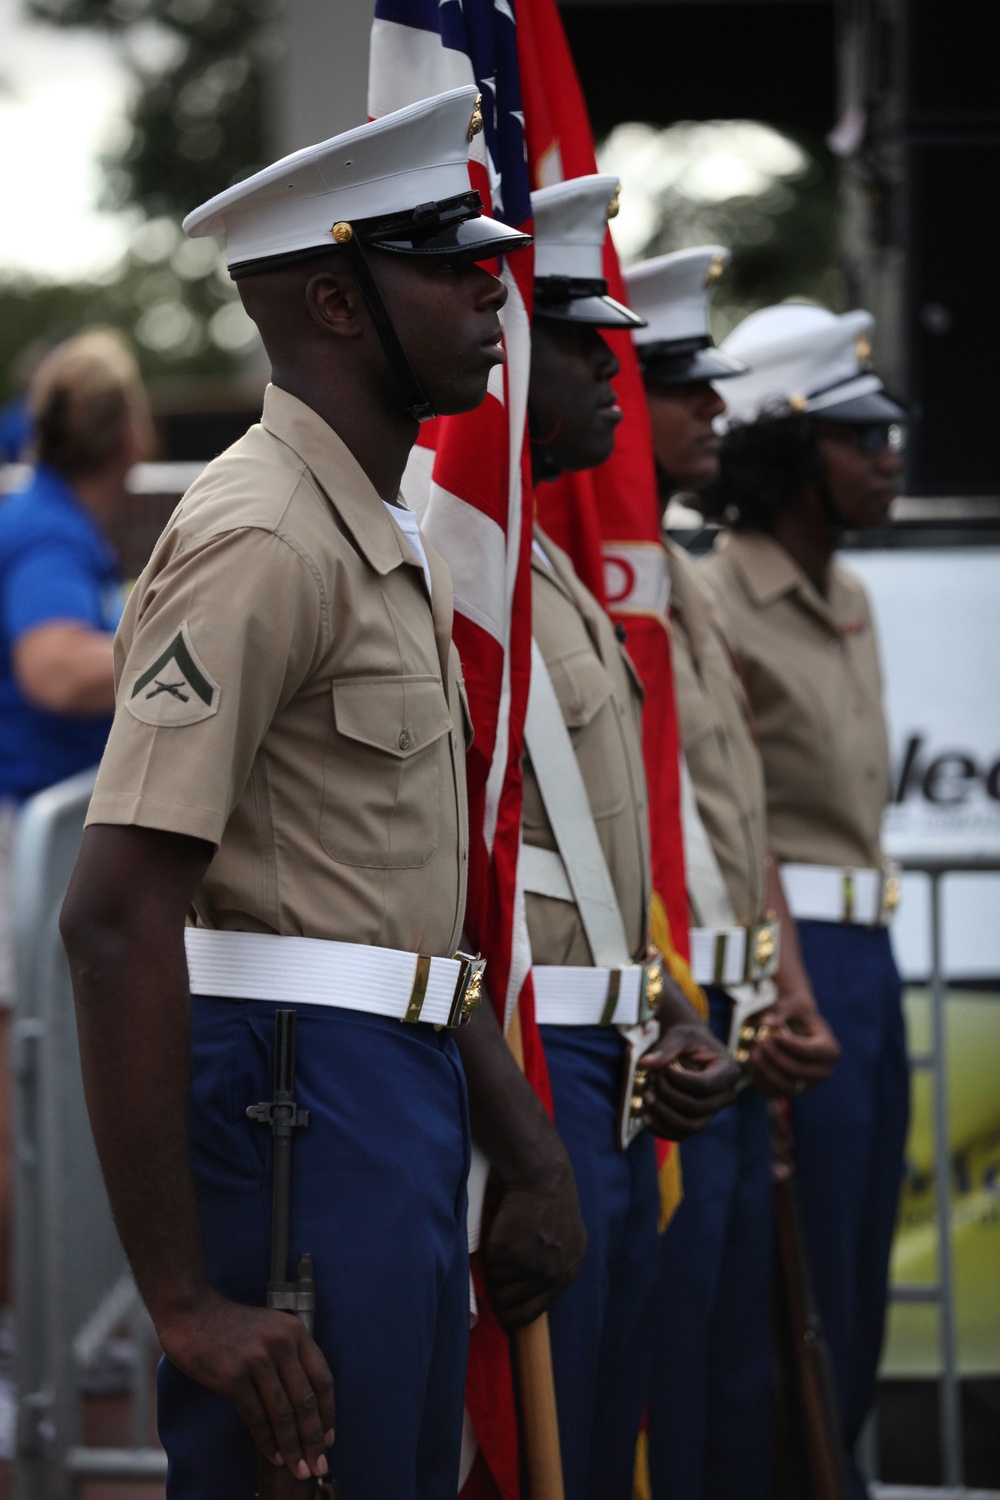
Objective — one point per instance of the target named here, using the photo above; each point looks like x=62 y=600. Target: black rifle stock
x=296 y=1296
x=810 y=1354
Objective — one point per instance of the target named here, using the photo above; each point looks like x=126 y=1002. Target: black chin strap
x=544 y=464
x=834 y=519
x=414 y=399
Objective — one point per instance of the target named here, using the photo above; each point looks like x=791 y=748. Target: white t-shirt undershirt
x=407 y=523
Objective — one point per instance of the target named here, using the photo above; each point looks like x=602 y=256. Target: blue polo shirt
x=55 y=564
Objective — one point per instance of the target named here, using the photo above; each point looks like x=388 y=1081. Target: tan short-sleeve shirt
x=288 y=692
x=811 y=669
x=601 y=701
x=718 y=738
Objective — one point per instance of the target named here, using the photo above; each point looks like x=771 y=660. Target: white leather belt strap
x=568 y=996
x=554 y=763
x=346 y=976
x=831 y=893
x=734 y=955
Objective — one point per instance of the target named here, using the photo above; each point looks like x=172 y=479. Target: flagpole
x=536 y=1383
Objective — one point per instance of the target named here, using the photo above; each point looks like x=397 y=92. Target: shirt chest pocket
x=388 y=764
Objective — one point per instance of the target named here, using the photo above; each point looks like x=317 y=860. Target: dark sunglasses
x=868 y=438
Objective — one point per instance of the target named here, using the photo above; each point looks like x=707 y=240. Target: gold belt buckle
x=764 y=944
x=468 y=988
x=651 y=992
x=891 y=890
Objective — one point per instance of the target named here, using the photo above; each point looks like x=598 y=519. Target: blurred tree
x=199 y=120
x=199 y=116
x=768 y=196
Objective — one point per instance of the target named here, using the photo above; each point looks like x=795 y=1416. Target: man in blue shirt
x=60 y=601
x=60 y=595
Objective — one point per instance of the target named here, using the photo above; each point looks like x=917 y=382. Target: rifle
x=811 y=1388
x=297 y=1296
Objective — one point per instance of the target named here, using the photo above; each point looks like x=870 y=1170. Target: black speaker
x=922 y=223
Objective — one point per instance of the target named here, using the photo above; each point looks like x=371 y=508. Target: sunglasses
x=868 y=438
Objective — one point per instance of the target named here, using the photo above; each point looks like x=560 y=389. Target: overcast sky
x=62 y=101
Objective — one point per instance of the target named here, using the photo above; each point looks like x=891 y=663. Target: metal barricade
x=941 y=1293
x=72 y=1283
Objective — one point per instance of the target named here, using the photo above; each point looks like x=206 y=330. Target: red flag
x=609 y=517
x=469 y=479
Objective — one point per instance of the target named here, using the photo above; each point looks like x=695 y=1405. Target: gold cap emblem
x=715 y=270
x=476 y=123
x=615 y=204
x=863 y=347
x=798 y=403
x=342 y=232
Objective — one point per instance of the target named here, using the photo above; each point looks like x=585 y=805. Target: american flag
x=469 y=481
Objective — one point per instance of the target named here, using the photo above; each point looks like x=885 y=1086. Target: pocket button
x=405 y=740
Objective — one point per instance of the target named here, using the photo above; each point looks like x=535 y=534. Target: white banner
x=938 y=617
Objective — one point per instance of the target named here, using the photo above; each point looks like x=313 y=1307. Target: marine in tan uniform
x=584 y=778
x=811 y=452
x=710 y=1396
x=287 y=765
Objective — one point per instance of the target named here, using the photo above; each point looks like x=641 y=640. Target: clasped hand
x=690 y=1077
x=794 y=1049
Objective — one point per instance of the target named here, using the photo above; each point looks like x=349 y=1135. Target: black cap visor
x=686 y=363
x=874 y=407
x=597 y=309
x=479 y=238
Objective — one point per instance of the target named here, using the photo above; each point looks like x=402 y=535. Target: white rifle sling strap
x=710 y=901
x=579 y=873
x=706 y=884
x=585 y=871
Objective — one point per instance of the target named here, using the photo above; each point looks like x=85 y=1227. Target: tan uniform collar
x=684 y=601
x=768 y=572
x=354 y=498
x=559 y=570
x=564 y=575
x=339 y=475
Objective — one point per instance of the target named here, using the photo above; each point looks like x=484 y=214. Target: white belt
x=346 y=976
x=734 y=955
x=569 y=996
x=830 y=893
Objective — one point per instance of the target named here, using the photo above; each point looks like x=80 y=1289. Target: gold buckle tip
x=468 y=988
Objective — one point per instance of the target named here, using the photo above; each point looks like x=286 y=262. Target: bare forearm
x=123 y=925
x=509 y=1122
x=67 y=669
x=791 y=976
x=133 y=1016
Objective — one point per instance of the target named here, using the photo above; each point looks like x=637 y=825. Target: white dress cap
x=415 y=158
x=570 y=224
x=809 y=359
x=673 y=293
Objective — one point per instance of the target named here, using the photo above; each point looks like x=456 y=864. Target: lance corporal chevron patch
x=176 y=688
